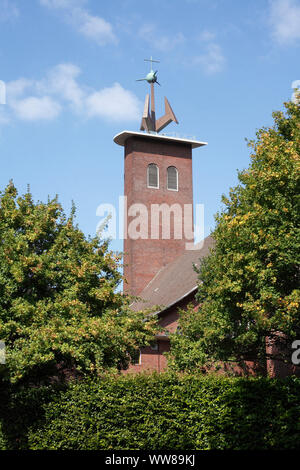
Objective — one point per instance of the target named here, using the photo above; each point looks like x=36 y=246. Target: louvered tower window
x=172 y=175
x=152 y=176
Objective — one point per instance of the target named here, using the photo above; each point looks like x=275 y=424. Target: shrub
x=153 y=412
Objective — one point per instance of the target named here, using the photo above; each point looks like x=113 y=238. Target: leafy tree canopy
x=58 y=299
x=249 y=285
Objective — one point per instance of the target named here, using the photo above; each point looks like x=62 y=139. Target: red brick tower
x=159 y=196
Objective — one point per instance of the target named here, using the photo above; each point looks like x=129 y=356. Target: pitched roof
x=174 y=281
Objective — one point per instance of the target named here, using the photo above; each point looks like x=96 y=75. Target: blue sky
x=70 y=67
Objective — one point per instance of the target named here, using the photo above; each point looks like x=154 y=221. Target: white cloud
x=166 y=43
x=212 y=61
x=162 y=42
x=93 y=27
x=207 y=36
x=8 y=10
x=24 y=102
x=285 y=20
x=18 y=87
x=90 y=26
x=4 y=119
x=61 y=81
x=114 y=103
x=60 y=90
x=36 y=109
x=56 y=4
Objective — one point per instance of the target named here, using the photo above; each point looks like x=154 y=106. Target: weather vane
x=149 y=121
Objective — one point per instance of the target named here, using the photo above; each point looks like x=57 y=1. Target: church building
x=159 y=250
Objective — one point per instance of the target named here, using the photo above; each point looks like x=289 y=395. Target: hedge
x=20 y=408
x=160 y=411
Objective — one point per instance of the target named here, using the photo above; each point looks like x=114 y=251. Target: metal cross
x=152 y=60
x=149 y=121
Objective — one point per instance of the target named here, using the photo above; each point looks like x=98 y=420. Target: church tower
x=158 y=190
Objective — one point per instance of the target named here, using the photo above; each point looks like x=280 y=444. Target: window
x=172 y=176
x=152 y=176
x=137 y=360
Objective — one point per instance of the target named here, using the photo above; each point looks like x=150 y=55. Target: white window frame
x=171 y=189
x=153 y=187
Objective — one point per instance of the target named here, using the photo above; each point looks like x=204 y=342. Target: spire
x=149 y=121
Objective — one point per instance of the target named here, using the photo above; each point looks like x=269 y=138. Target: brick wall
x=144 y=258
x=154 y=360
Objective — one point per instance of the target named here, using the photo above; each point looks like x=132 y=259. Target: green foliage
x=249 y=288
x=20 y=407
x=59 y=308
x=158 y=411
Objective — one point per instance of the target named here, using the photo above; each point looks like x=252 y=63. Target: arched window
x=172 y=175
x=152 y=176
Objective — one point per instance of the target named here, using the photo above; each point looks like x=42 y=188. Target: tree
x=249 y=285
x=58 y=299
